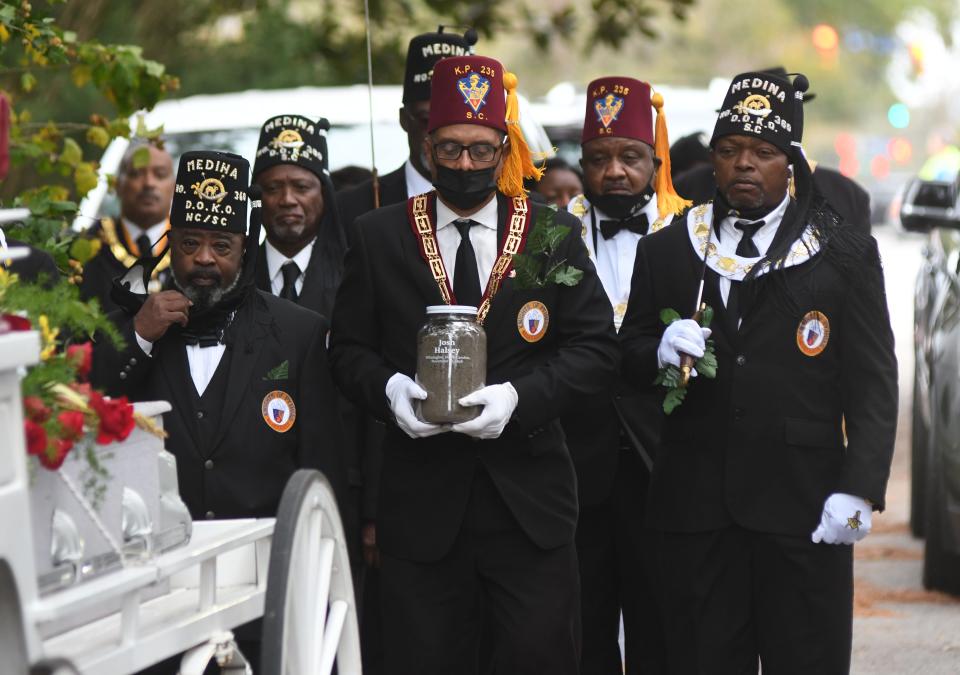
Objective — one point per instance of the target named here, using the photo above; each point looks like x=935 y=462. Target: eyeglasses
x=479 y=152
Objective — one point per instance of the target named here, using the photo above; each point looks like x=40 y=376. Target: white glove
x=401 y=392
x=684 y=336
x=846 y=520
x=498 y=401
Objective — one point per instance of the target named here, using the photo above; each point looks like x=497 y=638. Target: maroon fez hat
x=618 y=106
x=468 y=90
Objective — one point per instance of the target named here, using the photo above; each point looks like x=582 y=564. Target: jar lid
x=452 y=309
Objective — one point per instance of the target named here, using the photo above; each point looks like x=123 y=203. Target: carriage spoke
x=331 y=639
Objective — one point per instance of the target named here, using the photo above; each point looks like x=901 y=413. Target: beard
x=205 y=297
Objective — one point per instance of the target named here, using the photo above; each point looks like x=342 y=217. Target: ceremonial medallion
x=289 y=138
x=813 y=333
x=532 y=321
x=608 y=109
x=474 y=88
x=279 y=411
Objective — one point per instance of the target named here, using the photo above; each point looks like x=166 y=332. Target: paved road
x=898 y=626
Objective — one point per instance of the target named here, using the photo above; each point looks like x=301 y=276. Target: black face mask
x=620 y=206
x=464 y=189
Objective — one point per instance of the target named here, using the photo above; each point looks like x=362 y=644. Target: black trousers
x=494 y=578
x=733 y=597
x=616 y=575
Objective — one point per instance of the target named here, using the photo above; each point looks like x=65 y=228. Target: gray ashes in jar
x=451 y=363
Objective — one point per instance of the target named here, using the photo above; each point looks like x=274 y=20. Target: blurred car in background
x=231 y=122
x=932 y=207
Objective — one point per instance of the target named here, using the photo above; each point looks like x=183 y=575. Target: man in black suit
x=144 y=193
x=843 y=194
x=765 y=472
x=246 y=373
x=413 y=178
x=475 y=521
x=611 y=439
x=302 y=257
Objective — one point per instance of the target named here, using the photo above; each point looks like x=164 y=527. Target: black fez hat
x=211 y=192
x=293 y=139
x=424 y=51
x=764 y=106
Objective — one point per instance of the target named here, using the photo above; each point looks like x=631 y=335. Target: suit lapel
x=415 y=264
x=246 y=348
x=311 y=296
x=262 y=274
x=503 y=299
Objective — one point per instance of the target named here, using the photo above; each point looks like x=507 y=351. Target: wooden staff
x=373 y=154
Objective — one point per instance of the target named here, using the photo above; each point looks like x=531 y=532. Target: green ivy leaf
x=527 y=269
x=85 y=178
x=141 y=157
x=71 y=154
x=568 y=275
x=98 y=136
x=707 y=317
x=673 y=399
x=668 y=316
x=28 y=82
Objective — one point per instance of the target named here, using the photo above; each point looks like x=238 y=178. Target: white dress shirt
x=203 y=361
x=730 y=236
x=615 y=256
x=482 y=236
x=276 y=260
x=154 y=232
x=416 y=183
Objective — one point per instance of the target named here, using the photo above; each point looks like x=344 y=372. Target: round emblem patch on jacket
x=813 y=333
x=532 y=321
x=279 y=411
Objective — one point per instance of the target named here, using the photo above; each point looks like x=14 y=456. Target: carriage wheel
x=309 y=617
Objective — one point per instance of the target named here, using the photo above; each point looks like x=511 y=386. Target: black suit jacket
x=37 y=264
x=844 y=194
x=357 y=200
x=315 y=295
x=762 y=445
x=250 y=461
x=425 y=483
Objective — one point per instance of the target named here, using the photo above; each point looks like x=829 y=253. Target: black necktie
x=290 y=272
x=143 y=246
x=746 y=249
x=638 y=224
x=466 y=278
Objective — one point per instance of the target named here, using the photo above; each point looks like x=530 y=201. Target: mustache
x=201 y=274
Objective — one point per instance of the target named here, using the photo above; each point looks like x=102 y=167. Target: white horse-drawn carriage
x=130 y=582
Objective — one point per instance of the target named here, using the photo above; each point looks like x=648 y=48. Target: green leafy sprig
x=670 y=375
x=536 y=266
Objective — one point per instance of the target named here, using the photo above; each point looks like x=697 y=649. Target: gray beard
x=205 y=297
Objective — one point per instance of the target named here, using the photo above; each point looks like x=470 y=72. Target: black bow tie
x=202 y=338
x=637 y=223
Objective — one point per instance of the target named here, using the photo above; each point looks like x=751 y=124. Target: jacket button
x=741 y=360
x=738 y=413
x=133 y=362
x=123 y=375
x=199 y=414
x=208 y=464
x=211 y=515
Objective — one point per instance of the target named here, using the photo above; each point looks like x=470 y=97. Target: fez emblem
x=813 y=333
x=532 y=321
x=474 y=88
x=608 y=109
x=755 y=104
x=279 y=411
x=211 y=189
x=289 y=138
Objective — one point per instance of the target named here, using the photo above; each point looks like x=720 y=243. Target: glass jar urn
x=451 y=362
